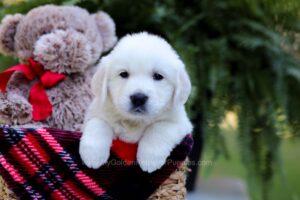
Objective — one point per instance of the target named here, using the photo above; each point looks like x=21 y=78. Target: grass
x=285 y=187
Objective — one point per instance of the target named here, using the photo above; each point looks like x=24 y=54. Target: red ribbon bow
x=125 y=151
x=41 y=106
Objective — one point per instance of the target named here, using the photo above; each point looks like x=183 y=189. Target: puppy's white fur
x=164 y=123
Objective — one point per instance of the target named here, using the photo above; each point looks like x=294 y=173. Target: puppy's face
x=140 y=89
x=143 y=77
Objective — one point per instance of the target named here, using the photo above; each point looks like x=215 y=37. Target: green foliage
x=241 y=57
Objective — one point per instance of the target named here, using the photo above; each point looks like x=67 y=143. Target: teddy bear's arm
x=14 y=106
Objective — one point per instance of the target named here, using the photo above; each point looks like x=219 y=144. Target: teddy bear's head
x=64 y=39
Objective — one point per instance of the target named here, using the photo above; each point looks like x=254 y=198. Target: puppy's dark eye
x=157 y=76
x=124 y=74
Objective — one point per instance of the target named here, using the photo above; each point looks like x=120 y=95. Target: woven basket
x=172 y=189
x=5 y=193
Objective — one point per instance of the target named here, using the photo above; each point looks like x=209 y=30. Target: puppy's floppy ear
x=8 y=29
x=107 y=29
x=182 y=87
x=99 y=80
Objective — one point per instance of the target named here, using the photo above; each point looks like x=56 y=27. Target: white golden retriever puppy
x=140 y=90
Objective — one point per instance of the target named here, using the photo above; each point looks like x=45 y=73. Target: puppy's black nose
x=138 y=99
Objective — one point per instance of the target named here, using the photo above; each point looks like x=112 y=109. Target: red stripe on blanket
x=89 y=183
x=35 y=146
x=12 y=171
x=16 y=152
x=50 y=140
x=71 y=186
x=83 y=178
x=56 y=194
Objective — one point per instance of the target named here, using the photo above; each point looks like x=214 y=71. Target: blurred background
x=243 y=58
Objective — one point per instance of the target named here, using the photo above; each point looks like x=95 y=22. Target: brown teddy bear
x=59 y=46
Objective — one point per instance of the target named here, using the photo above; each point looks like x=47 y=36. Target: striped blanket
x=44 y=164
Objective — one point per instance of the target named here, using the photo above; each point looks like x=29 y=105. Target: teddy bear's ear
x=107 y=28
x=8 y=28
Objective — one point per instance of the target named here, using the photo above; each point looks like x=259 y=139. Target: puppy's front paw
x=150 y=159
x=92 y=153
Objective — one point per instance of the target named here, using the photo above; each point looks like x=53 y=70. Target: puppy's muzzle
x=138 y=101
